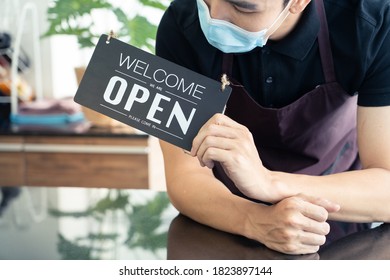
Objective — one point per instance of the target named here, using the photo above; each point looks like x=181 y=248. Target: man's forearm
x=206 y=200
x=363 y=195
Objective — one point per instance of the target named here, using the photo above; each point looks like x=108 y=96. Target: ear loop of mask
x=279 y=20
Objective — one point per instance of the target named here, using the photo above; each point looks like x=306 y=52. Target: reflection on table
x=84 y=223
x=190 y=240
x=89 y=223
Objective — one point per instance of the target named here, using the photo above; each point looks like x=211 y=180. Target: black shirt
x=284 y=70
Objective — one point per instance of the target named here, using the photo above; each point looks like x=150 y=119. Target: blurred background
x=45 y=46
x=68 y=30
x=74 y=184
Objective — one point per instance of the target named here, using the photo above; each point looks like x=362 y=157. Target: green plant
x=74 y=17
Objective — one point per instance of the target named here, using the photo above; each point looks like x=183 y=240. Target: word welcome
x=161 y=76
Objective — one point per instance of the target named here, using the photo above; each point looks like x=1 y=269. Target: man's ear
x=298 y=6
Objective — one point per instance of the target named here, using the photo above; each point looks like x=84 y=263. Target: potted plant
x=78 y=18
x=75 y=17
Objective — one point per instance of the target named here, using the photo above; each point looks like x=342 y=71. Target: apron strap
x=324 y=44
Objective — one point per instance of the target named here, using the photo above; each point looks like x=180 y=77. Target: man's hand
x=225 y=141
x=295 y=225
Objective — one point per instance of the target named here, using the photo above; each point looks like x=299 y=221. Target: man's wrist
x=254 y=216
x=279 y=187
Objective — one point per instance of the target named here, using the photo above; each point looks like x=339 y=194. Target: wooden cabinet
x=88 y=161
x=12 y=167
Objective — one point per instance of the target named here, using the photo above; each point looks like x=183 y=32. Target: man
x=282 y=166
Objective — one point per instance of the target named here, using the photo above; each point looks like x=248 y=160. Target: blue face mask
x=230 y=38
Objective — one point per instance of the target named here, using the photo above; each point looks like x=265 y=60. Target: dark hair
x=285 y=2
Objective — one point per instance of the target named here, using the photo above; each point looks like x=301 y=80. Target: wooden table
x=89 y=223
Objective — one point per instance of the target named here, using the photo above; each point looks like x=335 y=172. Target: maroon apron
x=314 y=135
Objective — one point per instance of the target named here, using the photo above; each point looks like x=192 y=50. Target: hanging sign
x=149 y=93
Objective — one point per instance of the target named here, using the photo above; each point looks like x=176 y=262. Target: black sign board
x=149 y=93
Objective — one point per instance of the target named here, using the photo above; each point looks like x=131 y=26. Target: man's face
x=251 y=15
